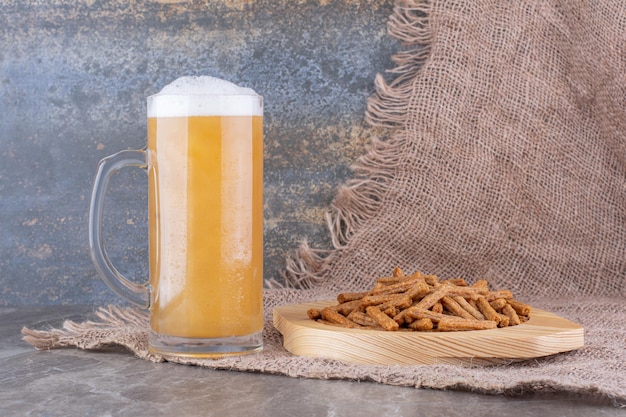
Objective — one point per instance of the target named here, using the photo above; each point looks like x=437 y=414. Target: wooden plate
x=543 y=334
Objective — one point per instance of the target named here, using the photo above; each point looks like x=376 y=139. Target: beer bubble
x=204 y=85
x=204 y=96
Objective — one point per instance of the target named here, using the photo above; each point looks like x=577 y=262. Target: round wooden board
x=543 y=334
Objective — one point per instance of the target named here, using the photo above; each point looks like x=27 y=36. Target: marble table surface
x=71 y=382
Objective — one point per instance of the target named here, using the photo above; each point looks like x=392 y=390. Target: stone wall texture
x=74 y=77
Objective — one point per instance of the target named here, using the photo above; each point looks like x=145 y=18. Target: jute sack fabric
x=503 y=157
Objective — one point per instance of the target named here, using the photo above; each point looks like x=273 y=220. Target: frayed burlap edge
x=114 y=326
x=358 y=200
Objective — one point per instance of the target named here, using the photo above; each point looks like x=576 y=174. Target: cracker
x=481 y=283
x=520 y=308
x=510 y=312
x=400 y=301
x=399 y=287
x=503 y=320
x=381 y=318
x=460 y=282
x=455 y=308
x=485 y=308
x=333 y=316
x=350 y=296
x=362 y=319
x=433 y=298
x=347 y=307
x=431 y=279
x=454 y=324
x=498 y=303
x=314 y=313
x=421 y=324
x=373 y=300
x=418 y=290
x=494 y=295
x=467 y=305
x=438 y=307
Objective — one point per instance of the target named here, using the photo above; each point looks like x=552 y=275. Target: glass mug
x=204 y=161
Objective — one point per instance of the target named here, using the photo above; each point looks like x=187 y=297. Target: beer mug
x=204 y=161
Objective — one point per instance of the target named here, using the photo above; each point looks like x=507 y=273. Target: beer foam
x=204 y=96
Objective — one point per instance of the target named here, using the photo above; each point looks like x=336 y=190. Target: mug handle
x=137 y=294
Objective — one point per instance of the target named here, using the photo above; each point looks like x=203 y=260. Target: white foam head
x=204 y=96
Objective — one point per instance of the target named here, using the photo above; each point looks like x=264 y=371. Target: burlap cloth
x=503 y=156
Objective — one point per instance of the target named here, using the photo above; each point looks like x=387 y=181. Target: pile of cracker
x=424 y=303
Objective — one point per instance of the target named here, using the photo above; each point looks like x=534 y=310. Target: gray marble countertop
x=71 y=382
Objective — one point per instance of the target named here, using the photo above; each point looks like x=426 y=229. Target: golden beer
x=206 y=225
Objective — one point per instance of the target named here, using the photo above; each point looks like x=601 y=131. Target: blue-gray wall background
x=74 y=76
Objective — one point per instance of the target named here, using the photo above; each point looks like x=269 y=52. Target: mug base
x=210 y=348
